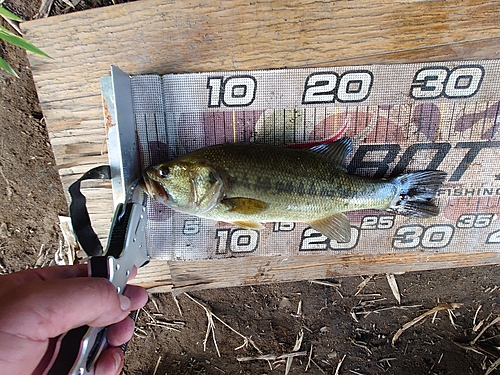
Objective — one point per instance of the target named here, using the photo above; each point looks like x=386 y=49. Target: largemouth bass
x=247 y=184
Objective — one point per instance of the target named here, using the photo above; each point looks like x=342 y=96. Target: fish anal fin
x=247 y=206
x=336 y=151
x=249 y=224
x=335 y=227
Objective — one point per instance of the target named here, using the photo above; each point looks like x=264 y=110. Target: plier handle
x=78 y=349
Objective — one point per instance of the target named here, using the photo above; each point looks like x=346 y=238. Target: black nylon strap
x=79 y=215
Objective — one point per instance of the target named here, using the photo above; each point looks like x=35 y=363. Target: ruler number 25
x=462 y=81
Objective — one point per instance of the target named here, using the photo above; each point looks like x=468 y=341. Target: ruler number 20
x=462 y=81
x=328 y=87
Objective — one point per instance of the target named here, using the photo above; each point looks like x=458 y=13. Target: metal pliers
x=78 y=350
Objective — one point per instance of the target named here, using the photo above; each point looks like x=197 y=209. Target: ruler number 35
x=462 y=81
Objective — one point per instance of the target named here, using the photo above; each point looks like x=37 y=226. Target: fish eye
x=212 y=178
x=163 y=172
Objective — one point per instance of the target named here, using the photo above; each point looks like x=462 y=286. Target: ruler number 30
x=462 y=81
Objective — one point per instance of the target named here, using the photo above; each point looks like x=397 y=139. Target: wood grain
x=160 y=36
x=203 y=274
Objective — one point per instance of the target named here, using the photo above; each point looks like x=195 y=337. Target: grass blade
x=8 y=14
x=5 y=66
x=20 y=42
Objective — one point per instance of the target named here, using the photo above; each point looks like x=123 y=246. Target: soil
x=345 y=331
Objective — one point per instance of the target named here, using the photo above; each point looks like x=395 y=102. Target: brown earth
x=337 y=323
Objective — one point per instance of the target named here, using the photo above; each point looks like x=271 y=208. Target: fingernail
x=118 y=360
x=125 y=302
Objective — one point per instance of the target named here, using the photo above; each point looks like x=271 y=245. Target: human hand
x=40 y=304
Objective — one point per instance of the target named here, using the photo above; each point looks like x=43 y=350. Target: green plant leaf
x=5 y=66
x=8 y=14
x=20 y=42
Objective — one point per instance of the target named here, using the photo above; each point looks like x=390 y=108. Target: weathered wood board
x=158 y=36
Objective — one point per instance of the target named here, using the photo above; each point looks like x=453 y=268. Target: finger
x=42 y=274
x=110 y=362
x=56 y=306
x=60 y=272
x=137 y=295
x=133 y=273
x=121 y=332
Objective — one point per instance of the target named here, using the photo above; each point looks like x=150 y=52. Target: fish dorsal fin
x=249 y=224
x=335 y=227
x=247 y=206
x=335 y=151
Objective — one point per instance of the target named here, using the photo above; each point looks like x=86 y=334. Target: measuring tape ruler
x=402 y=118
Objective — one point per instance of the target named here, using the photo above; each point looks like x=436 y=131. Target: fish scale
x=326 y=188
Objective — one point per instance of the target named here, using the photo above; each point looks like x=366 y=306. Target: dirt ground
x=347 y=324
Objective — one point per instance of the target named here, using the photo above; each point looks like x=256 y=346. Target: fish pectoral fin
x=335 y=227
x=249 y=224
x=247 y=206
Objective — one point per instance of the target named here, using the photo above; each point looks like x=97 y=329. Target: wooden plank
x=467 y=50
x=252 y=36
x=159 y=36
x=201 y=274
x=155 y=276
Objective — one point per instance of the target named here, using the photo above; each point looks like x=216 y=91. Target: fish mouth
x=153 y=188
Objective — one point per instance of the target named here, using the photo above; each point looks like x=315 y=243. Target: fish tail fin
x=416 y=192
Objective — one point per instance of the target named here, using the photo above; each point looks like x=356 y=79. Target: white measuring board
x=402 y=118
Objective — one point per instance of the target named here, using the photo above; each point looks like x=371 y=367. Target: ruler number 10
x=237 y=240
x=462 y=81
x=235 y=91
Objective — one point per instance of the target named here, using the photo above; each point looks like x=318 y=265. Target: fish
x=248 y=184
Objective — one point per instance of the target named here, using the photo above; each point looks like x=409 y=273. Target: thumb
x=47 y=309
